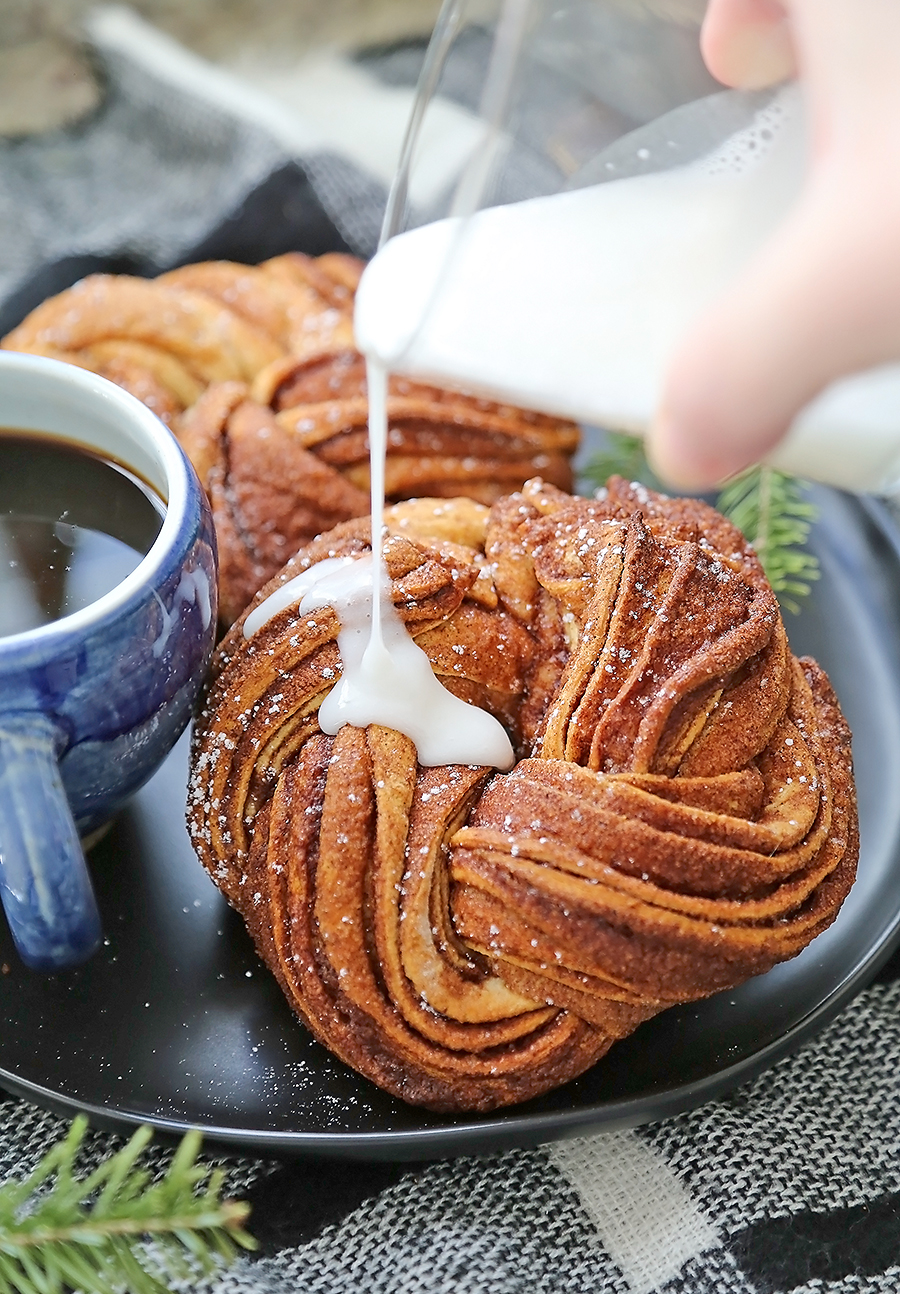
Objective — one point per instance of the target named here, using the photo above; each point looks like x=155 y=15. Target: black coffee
x=72 y=527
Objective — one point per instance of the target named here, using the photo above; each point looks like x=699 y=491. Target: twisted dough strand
x=682 y=815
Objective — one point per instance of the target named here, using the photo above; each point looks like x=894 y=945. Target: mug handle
x=44 y=883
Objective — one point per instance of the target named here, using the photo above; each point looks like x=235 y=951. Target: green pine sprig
x=116 y=1230
x=766 y=505
x=769 y=509
x=622 y=455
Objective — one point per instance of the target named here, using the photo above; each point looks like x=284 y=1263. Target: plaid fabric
x=791 y=1183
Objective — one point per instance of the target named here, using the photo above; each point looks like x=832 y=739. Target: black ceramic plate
x=176 y=1023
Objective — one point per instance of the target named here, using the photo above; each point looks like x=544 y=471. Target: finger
x=748 y=43
x=849 y=62
x=822 y=301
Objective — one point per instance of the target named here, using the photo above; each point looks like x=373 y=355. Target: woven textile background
x=792 y=1183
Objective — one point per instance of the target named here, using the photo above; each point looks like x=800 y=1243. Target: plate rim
x=507 y=1129
x=498 y=1132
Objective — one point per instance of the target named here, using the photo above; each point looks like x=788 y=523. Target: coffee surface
x=72 y=526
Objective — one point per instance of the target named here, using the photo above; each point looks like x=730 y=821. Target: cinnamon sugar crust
x=682 y=814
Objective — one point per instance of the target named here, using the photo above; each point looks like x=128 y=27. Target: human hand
x=822 y=298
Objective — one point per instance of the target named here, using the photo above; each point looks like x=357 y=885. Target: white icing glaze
x=385 y=679
x=291 y=593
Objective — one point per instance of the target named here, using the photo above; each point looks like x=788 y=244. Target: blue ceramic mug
x=91 y=703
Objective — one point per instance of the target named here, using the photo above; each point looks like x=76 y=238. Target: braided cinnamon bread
x=682 y=815
x=254 y=369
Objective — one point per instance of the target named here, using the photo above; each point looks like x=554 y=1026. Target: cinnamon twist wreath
x=682 y=815
x=254 y=369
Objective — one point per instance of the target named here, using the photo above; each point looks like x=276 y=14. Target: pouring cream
x=573 y=303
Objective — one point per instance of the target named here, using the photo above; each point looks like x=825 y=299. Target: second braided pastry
x=253 y=367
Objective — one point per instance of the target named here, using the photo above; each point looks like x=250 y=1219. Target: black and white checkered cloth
x=791 y=1183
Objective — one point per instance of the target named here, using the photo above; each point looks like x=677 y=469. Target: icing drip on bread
x=386 y=679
